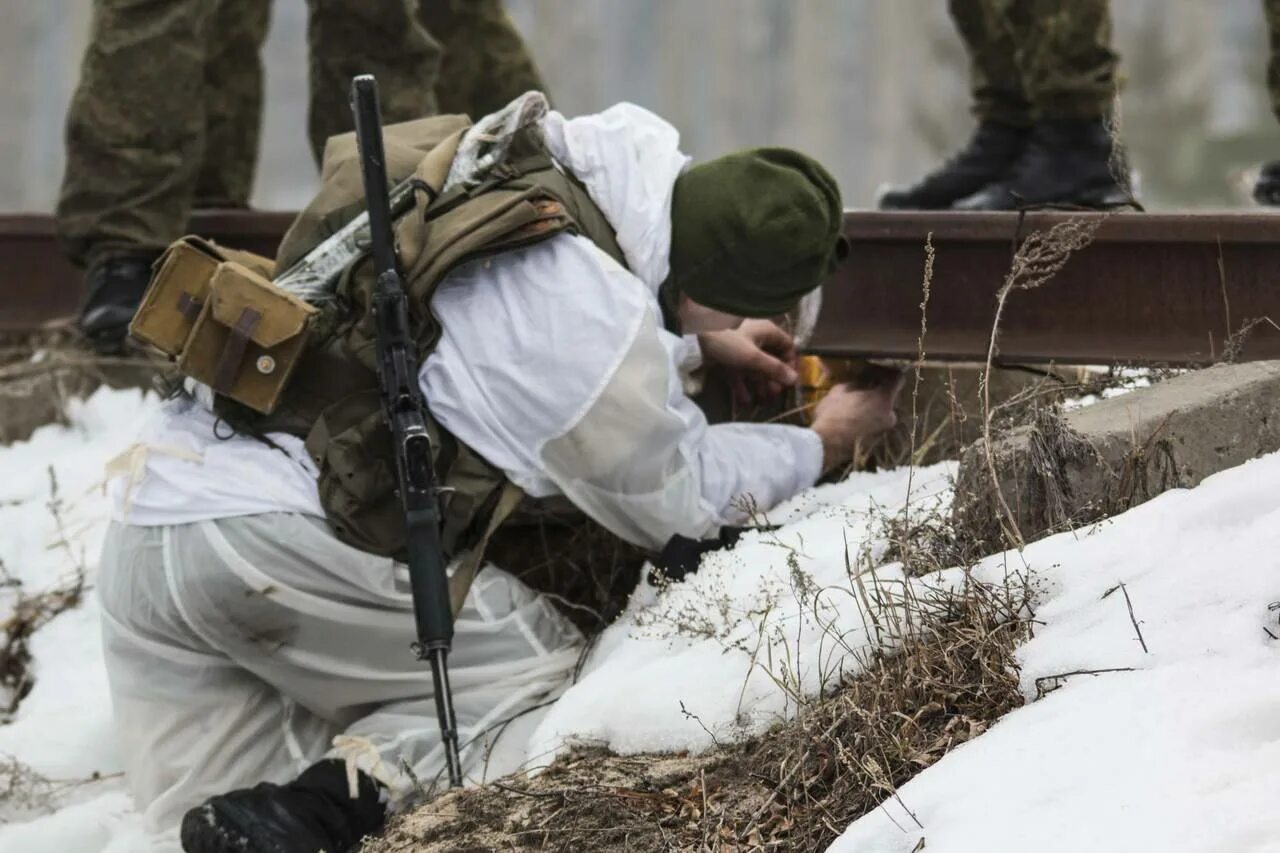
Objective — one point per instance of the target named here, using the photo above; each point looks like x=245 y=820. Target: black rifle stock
x=405 y=415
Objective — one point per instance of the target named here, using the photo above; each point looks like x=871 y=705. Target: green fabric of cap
x=754 y=231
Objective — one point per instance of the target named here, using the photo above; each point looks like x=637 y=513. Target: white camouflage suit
x=242 y=637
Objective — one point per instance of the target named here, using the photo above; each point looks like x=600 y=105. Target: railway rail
x=39 y=286
x=1151 y=288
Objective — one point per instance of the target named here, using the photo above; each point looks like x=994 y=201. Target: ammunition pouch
x=217 y=314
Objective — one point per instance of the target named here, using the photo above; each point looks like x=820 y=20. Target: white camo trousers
x=239 y=649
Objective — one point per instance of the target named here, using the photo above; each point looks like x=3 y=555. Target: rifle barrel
x=373 y=165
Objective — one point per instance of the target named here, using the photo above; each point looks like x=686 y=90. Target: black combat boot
x=1267 y=190
x=116 y=284
x=313 y=813
x=1066 y=162
x=985 y=158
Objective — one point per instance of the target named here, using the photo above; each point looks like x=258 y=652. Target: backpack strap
x=463 y=576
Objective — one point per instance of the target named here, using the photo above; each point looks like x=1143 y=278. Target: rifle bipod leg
x=439 y=658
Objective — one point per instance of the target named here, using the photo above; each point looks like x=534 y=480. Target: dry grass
x=949 y=406
x=22 y=789
x=940 y=683
x=42 y=371
x=28 y=612
x=584 y=568
x=26 y=793
x=928 y=541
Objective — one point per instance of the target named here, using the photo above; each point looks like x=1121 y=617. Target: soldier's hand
x=759 y=356
x=847 y=414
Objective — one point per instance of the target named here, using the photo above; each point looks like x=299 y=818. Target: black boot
x=1066 y=162
x=313 y=813
x=986 y=157
x=1267 y=190
x=116 y=284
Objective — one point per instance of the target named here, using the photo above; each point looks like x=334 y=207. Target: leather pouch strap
x=233 y=353
x=189 y=306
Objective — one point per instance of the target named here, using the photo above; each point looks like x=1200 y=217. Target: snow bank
x=1174 y=754
x=1180 y=753
x=721 y=654
x=644 y=667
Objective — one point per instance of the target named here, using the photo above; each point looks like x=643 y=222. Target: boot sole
x=1106 y=198
x=1102 y=199
x=203 y=832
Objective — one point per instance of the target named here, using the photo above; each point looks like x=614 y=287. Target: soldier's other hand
x=759 y=356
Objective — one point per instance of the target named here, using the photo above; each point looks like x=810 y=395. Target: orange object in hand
x=815 y=382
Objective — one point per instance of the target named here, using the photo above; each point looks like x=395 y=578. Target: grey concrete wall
x=1062 y=474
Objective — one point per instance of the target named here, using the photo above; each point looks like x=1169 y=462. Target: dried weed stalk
x=24 y=792
x=28 y=613
x=928 y=540
x=22 y=789
x=1053 y=447
x=1234 y=345
x=926 y=286
x=1040 y=257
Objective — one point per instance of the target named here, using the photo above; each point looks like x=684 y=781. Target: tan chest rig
x=280 y=365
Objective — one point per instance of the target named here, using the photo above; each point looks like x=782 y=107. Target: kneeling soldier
x=256 y=620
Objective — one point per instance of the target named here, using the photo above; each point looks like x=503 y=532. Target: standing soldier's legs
x=1000 y=104
x=1064 y=52
x=135 y=128
x=1267 y=190
x=1068 y=71
x=233 y=103
x=135 y=139
x=486 y=64
x=996 y=80
x=1271 y=9
x=380 y=37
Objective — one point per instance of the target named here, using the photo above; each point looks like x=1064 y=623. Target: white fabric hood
x=629 y=160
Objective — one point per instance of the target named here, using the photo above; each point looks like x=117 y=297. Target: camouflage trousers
x=1038 y=59
x=167 y=112
x=1272 y=10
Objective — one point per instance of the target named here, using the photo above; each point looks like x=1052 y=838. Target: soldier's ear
x=842 y=247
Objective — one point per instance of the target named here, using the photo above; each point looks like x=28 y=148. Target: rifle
x=405 y=410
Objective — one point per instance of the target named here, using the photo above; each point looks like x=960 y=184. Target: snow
x=721 y=654
x=1179 y=754
x=1173 y=752
x=1127 y=380
x=62 y=730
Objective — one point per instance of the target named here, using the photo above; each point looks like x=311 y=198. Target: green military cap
x=754 y=231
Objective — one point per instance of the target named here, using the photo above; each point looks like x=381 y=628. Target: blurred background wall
x=875 y=88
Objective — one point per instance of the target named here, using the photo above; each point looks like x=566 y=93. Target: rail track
x=38 y=286
x=1151 y=288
